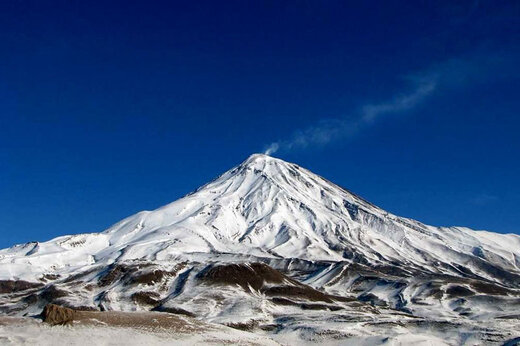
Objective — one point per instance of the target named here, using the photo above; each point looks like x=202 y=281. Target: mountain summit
x=310 y=237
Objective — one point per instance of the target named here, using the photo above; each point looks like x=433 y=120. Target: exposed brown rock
x=270 y=327
x=79 y=275
x=57 y=315
x=90 y=287
x=492 y=289
x=245 y=275
x=13 y=286
x=50 y=277
x=284 y=301
x=115 y=273
x=254 y=276
x=129 y=273
x=174 y=310
x=52 y=293
x=246 y=326
x=154 y=276
x=145 y=298
x=459 y=291
x=302 y=292
x=305 y=306
x=148 y=278
x=78 y=307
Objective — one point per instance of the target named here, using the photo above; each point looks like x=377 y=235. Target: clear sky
x=112 y=107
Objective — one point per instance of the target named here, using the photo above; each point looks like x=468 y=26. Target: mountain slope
x=318 y=236
x=267 y=207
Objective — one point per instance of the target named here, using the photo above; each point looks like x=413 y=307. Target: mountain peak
x=257 y=158
x=262 y=162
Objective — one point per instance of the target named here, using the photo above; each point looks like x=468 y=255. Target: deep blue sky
x=108 y=108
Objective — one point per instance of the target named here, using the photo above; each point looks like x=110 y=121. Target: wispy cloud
x=329 y=130
x=372 y=112
x=450 y=74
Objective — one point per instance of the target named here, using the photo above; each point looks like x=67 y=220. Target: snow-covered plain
x=31 y=332
x=379 y=275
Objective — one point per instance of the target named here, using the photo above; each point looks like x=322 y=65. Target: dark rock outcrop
x=145 y=298
x=14 y=286
x=173 y=310
x=52 y=293
x=148 y=278
x=57 y=315
x=245 y=275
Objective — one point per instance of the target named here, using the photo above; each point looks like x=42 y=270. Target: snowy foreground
x=32 y=332
x=271 y=251
x=27 y=331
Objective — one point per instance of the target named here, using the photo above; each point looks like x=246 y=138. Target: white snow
x=263 y=207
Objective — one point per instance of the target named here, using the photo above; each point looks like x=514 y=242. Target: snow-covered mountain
x=271 y=238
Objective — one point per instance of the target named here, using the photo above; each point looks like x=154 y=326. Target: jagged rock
x=57 y=315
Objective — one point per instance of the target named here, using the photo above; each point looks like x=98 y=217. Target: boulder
x=57 y=315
